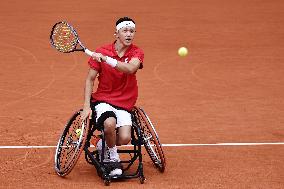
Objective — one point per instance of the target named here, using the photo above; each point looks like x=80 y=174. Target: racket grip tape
x=88 y=52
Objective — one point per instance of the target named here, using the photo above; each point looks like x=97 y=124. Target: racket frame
x=83 y=48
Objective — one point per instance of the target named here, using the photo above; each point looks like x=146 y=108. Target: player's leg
x=107 y=118
x=123 y=135
x=123 y=126
x=110 y=136
x=110 y=131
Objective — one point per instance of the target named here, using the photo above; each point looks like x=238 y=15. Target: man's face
x=126 y=35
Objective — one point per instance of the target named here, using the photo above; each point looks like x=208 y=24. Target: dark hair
x=124 y=19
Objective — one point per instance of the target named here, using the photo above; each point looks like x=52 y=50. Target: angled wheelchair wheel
x=71 y=144
x=150 y=139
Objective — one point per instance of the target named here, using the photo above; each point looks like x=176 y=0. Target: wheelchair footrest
x=103 y=169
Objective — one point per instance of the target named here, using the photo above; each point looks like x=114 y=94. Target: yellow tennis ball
x=78 y=132
x=182 y=51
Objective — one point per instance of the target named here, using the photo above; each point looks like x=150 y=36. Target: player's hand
x=98 y=57
x=87 y=112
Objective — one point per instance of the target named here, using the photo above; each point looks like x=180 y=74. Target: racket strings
x=64 y=38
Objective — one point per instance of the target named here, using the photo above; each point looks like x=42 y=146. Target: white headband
x=125 y=24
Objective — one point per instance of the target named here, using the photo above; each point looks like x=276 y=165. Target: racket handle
x=88 y=52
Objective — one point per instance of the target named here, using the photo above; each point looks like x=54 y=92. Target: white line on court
x=164 y=145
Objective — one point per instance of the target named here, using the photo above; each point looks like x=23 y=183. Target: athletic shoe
x=116 y=168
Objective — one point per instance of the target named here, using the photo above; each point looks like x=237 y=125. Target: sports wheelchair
x=77 y=136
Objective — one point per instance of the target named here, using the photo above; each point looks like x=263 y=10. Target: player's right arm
x=87 y=111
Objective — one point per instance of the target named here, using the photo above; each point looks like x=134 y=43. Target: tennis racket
x=64 y=38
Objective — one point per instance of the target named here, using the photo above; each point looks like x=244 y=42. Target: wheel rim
x=150 y=139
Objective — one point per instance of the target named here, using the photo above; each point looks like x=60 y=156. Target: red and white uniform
x=115 y=87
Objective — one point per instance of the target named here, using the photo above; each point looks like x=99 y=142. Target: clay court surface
x=229 y=89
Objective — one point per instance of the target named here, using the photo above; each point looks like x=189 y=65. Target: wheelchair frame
x=142 y=133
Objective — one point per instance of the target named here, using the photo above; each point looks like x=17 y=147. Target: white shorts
x=123 y=117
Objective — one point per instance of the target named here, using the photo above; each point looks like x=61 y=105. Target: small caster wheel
x=142 y=179
x=107 y=182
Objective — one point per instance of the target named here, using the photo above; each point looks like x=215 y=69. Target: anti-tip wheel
x=107 y=182
x=142 y=179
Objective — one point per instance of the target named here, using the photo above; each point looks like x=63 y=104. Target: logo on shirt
x=126 y=60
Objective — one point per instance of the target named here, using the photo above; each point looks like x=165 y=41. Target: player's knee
x=124 y=138
x=109 y=125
